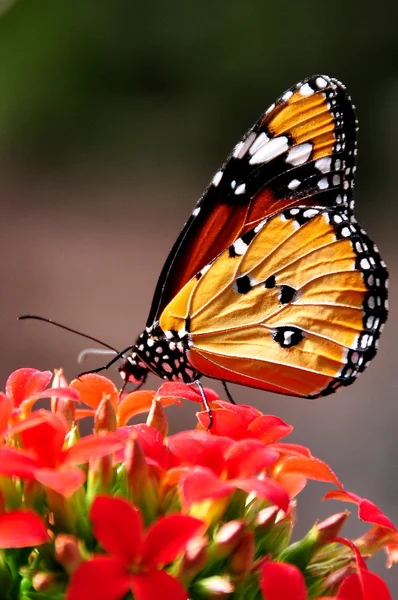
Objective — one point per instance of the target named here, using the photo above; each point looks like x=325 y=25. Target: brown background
x=113 y=118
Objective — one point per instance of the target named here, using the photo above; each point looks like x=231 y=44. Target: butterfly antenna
x=88 y=337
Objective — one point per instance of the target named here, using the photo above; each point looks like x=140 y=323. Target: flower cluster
x=130 y=512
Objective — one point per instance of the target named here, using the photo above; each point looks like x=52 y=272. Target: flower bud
x=241 y=561
x=273 y=528
x=321 y=534
x=157 y=417
x=375 y=539
x=194 y=559
x=214 y=588
x=62 y=407
x=327 y=530
x=136 y=467
x=67 y=552
x=228 y=538
x=329 y=585
x=44 y=582
x=105 y=416
x=99 y=476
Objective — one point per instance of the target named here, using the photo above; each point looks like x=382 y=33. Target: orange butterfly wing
x=294 y=306
x=300 y=152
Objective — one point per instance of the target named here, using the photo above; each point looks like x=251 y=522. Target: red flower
x=25 y=386
x=363 y=585
x=218 y=465
x=367 y=510
x=22 y=528
x=92 y=388
x=25 y=383
x=281 y=581
x=134 y=556
x=44 y=457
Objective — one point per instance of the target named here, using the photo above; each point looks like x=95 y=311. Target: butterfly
x=272 y=283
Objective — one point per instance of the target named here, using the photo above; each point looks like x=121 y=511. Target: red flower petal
x=293 y=483
x=292 y=449
x=19 y=529
x=18 y=463
x=39 y=416
x=6 y=406
x=93 y=387
x=199 y=448
x=152 y=443
x=230 y=420
x=61 y=392
x=22 y=383
x=102 y=578
x=45 y=439
x=167 y=538
x=139 y=402
x=269 y=429
x=363 y=586
x=63 y=481
x=154 y=585
x=225 y=423
x=248 y=457
x=367 y=510
x=264 y=488
x=118 y=527
x=201 y=483
x=281 y=581
x=312 y=468
x=371 y=513
x=184 y=392
x=92 y=446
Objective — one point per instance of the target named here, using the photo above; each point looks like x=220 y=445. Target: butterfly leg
x=109 y=364
x=227 y=392
x=205 y=403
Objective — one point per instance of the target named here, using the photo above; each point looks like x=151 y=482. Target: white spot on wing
x=299 y=154
x=306 y=90
x=287 y=95
x=270 y=108
x=345 y=232
x=310 y=213
x=336 y=179
x=321 y=82
x=294 y=184
x=323 y=164
x=217 y=178
x=242 y=147
x=240 y=189
x=272 y=149
x=365 y=264
x=240 y=247
x=323 y=183
x=261 y=139
x=287 y=337
x=205 y=269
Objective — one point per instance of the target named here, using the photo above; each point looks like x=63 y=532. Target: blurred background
x=114 y=115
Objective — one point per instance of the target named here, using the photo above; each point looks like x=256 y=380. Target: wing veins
x=274 y=250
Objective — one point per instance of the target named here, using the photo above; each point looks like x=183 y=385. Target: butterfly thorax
x=163 y=353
